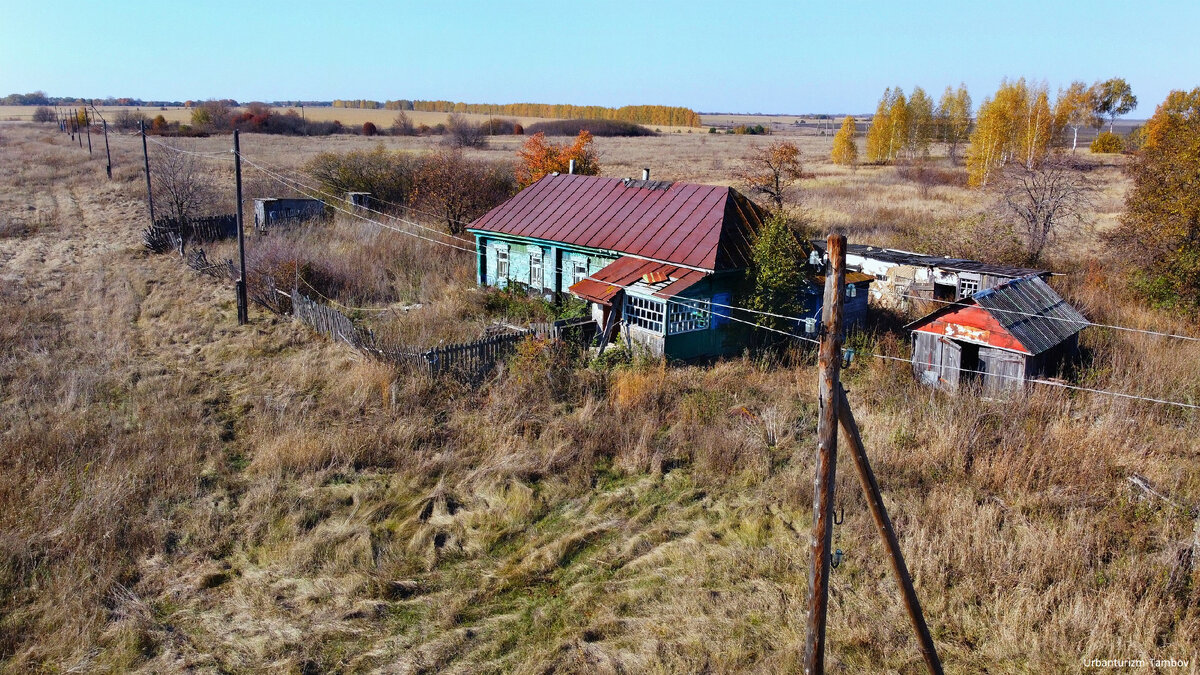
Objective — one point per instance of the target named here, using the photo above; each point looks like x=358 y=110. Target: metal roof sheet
x=704 y=226
x=912 y=259
x=1029 y=309
x=628 y=271
x=1026 y=308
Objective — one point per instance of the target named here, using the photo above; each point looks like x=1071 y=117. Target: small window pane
x=645 y=313
x=687 y=316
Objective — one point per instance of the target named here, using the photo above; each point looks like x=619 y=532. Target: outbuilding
x=902 y=277
x=271 y=212
x=999 y=337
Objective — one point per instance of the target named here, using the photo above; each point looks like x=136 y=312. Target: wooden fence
x=470 y=361
x=168 y=234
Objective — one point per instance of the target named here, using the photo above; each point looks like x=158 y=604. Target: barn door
x=951 y=363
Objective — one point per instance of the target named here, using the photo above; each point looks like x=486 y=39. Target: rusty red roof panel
x=705 y=226
x=596 y=291
x=626 y=270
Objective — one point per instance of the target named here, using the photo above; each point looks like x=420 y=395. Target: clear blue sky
x=730 y=56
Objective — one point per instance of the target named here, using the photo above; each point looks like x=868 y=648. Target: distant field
x=351 y=117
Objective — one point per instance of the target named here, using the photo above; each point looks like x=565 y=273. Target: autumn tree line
x=1019 y=122
x=638 y=114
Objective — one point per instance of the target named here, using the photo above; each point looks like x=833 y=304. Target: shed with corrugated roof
x=1000 y=337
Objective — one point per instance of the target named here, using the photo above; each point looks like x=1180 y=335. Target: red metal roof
x=626 y=271
x=1023 y=315
x=705 y=226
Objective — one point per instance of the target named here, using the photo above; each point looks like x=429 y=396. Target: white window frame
x=579 y=270
x=968 y=287
x=646 y=314
x=688 y=316
x=536 y=281
x=503 y=267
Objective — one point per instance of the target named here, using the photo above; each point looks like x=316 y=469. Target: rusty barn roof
x=1027 y=309
x=704 y=226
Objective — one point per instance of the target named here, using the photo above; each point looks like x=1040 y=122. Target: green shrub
x=1107 y=142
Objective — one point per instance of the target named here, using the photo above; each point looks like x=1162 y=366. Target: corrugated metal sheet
x=627 y=271
x=899 y=257
x=1054 y=319
x=705 y=226
x=1024 y=315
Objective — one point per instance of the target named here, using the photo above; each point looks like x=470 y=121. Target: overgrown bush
x=369 y=129
x=43 y=114
x=463 y=133
x=387 y=175
x=497 y=126
x=1107 y=142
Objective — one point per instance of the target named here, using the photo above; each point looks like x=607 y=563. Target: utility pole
x=242 y=305
x=829 y=363
x=870 y=488
x=107 y=154
x=146 y=160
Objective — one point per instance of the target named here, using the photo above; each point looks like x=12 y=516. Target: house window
x=687 y=316
x=967 y=287
x=535 y=269
x=645 y=313
x=501 y=262
x=579 y=271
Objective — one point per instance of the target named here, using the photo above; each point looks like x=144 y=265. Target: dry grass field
x=351 y=117
x=183 y=494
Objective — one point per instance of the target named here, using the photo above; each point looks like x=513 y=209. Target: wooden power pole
x=107 y=153
x=829 y=363
x=835 y=409
x=243 y=308
x=146 y=161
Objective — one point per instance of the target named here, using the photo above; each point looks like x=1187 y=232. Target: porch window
x=645 y=313
x=687 y=316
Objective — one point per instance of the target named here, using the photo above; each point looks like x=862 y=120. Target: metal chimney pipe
x=645 y=174
x=571 y=167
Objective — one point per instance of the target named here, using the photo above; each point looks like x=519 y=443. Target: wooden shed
x=904 y=276
x=1000 y=337
x=271 y=212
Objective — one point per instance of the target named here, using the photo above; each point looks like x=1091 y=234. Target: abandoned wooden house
x=662 y=260
x=270 y=212
x=999 y=337
x=903 y=276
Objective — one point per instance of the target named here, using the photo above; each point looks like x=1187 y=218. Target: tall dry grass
x=181 y=494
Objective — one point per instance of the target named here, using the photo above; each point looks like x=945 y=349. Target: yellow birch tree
x=845 y=151
x=879 y=135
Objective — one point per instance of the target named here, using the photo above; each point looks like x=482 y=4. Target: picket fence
x=469 y=361
x=167 y=234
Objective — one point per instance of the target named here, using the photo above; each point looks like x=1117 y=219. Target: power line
x=1042 y=316
x=700 y=305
